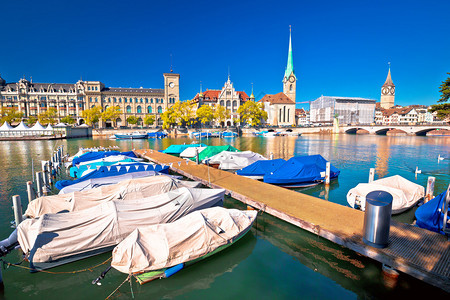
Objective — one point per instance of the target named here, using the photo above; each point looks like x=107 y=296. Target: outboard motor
x=9 y=243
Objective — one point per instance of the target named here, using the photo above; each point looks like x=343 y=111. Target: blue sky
x=340 y=48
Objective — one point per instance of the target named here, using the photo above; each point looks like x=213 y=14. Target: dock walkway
x=412 y=250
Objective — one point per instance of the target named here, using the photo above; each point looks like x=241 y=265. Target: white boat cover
x=193 y=236
x=6 y=126
x=55 y=237
x=235 y=160
x=37 y=126
x=190 y=152
x=404 y=192
x=128 y=190
x=21 y=126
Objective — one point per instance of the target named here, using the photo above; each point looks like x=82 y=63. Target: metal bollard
x=430 y=189
x=271 y=156
x=377 y=219
x=17 y=206
x=327 y=173
x=371 y=174
x=30 y=192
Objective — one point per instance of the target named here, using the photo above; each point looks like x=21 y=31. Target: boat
x=156 y=135
x=159 y=251
x=201 y=135
x=434 y=214
x=134 y=135
x=77 y=170
x=232 y=161
x=56 y=239
x=191 y=152
x=213 y=150
x=177 y=149
x=94 y=155
x=106 y=171
x=405 y=193
x=260 y=168
x=229 y=134
x=270 y=134
x=301 y=171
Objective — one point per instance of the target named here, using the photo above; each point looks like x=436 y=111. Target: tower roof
x=389 y=79
x=290 y=61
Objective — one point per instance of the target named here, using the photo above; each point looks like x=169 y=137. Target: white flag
x=109 y=168
x=88 y=166
x=98 y=168
x=145 y=167
x=136 y=167
x=118 y=168
x=128 y=168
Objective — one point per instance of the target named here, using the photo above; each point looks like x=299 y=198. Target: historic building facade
x=71 y=99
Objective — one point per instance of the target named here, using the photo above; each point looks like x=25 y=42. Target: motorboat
x=260 y=168
x=78 y=169
x=177 y=149
x=156 y=135
x=191 y=152
x=229 y=134
x=301 y=171
x=405 y=193
x=159 y=251
x=134 y=135
x=232 y=161
x=210 y=151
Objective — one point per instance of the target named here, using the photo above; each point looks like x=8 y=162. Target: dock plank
x=412 y=250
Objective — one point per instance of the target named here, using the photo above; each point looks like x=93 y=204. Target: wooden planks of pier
x=412 y=250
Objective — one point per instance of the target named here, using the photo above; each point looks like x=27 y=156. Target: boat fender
x=172 y=270
x=9 y=243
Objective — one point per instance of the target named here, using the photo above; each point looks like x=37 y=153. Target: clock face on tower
x=292 y=79
x=171 y=84
x=385 y=90
x=392 y=90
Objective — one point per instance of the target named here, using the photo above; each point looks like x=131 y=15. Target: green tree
x=10 y=115
x=182 y=112
x=48 y=116
x=170 y=116
x=91 y=115
x=149 y=120
x=205 y=114
x=132 y=120
x=68 y=120
x=252 y=113
x=221 y=114
x=443 y=110
x=31 y=120
x=187 y=113
x=111 y=113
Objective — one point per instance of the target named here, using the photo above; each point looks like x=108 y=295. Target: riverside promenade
x=412 y=250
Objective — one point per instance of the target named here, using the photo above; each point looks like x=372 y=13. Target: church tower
x=387 y=92
x=289 y=79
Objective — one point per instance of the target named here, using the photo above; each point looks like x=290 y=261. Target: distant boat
x=133 y=136
x=156 y=135
x=159 y=251
x=229 y=134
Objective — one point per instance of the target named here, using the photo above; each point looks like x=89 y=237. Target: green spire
x=290 y=62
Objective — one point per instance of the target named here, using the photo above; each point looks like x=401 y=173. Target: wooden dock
x=412 y=250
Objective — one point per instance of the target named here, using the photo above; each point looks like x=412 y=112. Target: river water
x=275 y=260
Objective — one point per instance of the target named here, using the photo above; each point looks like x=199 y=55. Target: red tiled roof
x=213 y=95
x=279 y=98
x=243 y=96
x=300 y=111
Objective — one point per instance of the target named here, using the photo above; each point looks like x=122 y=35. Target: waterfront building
x=227 y=97
x=408 y=115
x=348 y=110
x=301 y=117
x=387 y=92
x=70 y=99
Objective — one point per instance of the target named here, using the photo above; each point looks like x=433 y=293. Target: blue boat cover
x=301 y=169
x=261 y=167
x=76 y=171
x=429 y=215
x=177 y=149
x=106 y=171
x=100 y=154
x=156 y=135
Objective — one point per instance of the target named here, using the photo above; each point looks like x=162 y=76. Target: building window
x=120 y=100
x=149 y=109
x=139 y=109
x=96 y=99
x=159 y=110
x=89 y=88
x=128 y=109
x=90 y=99
x=290 y=88
x=142 y=101
x=125 y=99
x=151 y=100
x=146 y=100
x=135 y=100
x=162 y=100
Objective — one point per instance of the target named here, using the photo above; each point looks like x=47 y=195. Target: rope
x=126 y=279
x=50 y=272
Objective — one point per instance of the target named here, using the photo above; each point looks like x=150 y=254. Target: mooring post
x=371 y=174
x=327 y=173
x=17 y=206
x=271 y=156
x=30 y=192
x=39 y=183
x=44 y=179
x=196 y=156
x=430 y=189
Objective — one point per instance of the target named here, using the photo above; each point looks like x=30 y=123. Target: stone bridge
x=383 y=129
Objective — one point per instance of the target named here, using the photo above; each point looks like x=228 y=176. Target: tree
x=48 y=116
x=149 y=120
x=91 y=115
x=182 y=112
x=10 y=115
x=111 y=113
x=205 y=114
x=252 y=113
x=170 y=117
x=68 y=120
x=221 y=114
x=187 y=113
x=31 y=120
x=132 y=120
x=443 y=110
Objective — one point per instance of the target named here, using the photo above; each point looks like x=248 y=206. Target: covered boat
x=106 y=171
x=227 y=160
x=134 y=135
x=229 y=134
x=77 y=170
x=405 y=193
x=156 y=135
x=156 y=249
x=128 y=190
x=435 y=213
x=55 y=239
x=89 y=156
x=213 y=150
x=177 y=149
x=301 y=171
x=191 y=152
x=260 y=168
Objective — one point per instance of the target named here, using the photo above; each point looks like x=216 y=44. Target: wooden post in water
x=430 y=189
x=50 y=172
x=44 y=175
x=30 y=192
x=39 y=183
x=327 y=173
x=371 y=174
x=17 y=206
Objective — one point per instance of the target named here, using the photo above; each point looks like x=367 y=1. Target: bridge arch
x=425 y=131
x=352 y=130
